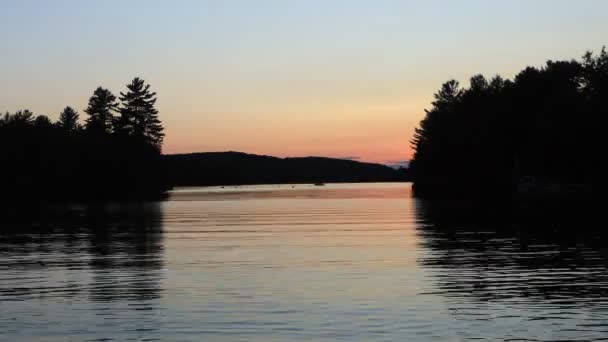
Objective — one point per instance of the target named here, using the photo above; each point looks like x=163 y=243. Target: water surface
x=351 y=262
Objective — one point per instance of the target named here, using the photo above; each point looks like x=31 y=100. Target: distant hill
x=232 y=168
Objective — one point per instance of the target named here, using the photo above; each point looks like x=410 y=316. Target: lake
x=341 y=262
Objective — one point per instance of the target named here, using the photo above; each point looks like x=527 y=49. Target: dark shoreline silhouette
x=535 y=137
x=237 y=168
x=539 y=136
x=116 y=154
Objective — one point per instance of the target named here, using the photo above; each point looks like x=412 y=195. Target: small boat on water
x=319 y=184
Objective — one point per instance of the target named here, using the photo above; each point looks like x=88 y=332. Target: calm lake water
x=349 y=262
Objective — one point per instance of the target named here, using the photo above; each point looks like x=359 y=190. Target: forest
x=541 y=133
x=115 y=154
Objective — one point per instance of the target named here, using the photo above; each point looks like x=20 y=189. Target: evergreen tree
x=138 y=117
x=43 y=122
x=21 y=118
x=68 y=120
x=101 y=106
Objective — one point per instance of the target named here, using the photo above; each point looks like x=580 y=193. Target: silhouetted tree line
x=232 y=168
x=115 y=154
x=545 y=129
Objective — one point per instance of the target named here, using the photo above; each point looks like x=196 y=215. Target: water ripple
x=275 y=263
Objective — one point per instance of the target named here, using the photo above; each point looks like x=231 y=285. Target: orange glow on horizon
x=368 y=133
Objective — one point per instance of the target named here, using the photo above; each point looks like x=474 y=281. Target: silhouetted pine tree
x=432 y=143
x=138 y=117
x=68 y=120
x=21 y=119
x=100 y=110
x=43 y=122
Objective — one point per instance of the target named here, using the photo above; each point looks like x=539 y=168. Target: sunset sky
x=336 y=78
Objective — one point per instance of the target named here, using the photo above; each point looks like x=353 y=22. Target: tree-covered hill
x=228 y=168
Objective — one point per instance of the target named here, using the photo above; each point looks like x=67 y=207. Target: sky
x=335 y=78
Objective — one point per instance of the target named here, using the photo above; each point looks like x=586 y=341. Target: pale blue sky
x=283 y=77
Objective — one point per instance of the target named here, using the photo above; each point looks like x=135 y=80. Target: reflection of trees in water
x=126 y=251
x=482 y=260
x=120 y=246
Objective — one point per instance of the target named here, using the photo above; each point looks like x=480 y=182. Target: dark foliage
x=231 y=168
x=544 y=127
x=102 y=106
x=68 y=121
x=138 y=117
x=47 y=162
